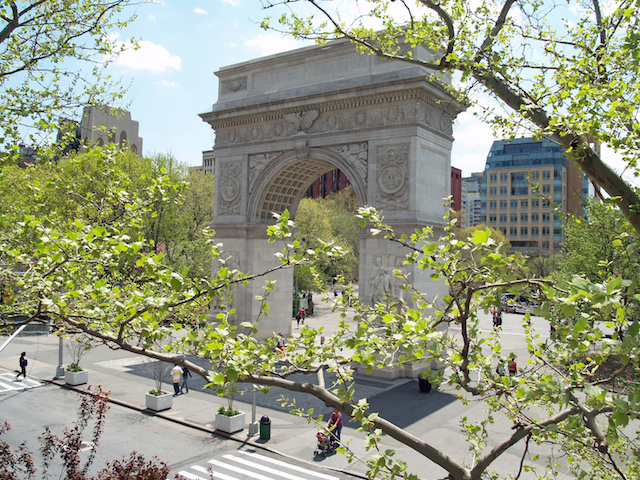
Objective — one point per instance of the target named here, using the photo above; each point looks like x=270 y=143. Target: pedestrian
x=186 y=373
x=302 y=314
x=298 y=317
x=176 y=376
x=500 y=369
x=280 y=343
x=335 y=423
x=23 y=366
x=513 y=368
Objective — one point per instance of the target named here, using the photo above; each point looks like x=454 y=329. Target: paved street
x=184 y=436
x=248 y=463
x=8 y=383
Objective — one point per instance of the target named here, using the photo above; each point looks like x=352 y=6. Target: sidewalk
x=433 y=417
x=290 y=435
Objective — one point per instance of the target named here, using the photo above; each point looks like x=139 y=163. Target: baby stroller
x=326 y=444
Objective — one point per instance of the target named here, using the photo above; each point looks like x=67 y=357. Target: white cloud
x=148 y=57
x=235 y=3
x=166 y=83
x=271 y=43
x=201 y=11
x=473 y=139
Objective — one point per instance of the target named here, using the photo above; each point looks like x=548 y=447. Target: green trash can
x=265 y=428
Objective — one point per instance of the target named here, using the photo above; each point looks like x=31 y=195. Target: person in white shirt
x=176 y=376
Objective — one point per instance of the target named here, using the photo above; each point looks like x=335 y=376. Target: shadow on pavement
x=402 y=405
x=406 y=404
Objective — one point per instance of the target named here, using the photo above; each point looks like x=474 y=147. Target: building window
x=492 y=218
x=492 y=204
x=503 y=230
x=514 y=218
x=513 y=231
x=493 y=191
x=524 y=218
x=535 y=203
x=546 y=217
x=546 y=189
x=493 y=177
x=534 y=176
x=503 y=204
x=524 y=231
x=519 y=183
x=535 y=217
x=514 y=204
x=503 y=191
x=557 y=231
x=546 y=175
x=534 y=231
x=504 y=177
x=503 y=218
x=545 y=245
x=545 y=231
x=524 y=204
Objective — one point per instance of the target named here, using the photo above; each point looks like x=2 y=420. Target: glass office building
x=527 y=188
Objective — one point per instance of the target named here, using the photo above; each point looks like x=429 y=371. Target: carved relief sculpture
x=301 y=122
x=230 y=187
x=392 y=182
x=357 y=154
x=384 y=286
x=257 y=164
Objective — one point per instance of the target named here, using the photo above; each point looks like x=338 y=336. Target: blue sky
x=171 y=77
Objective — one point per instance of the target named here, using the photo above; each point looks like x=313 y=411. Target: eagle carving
x=302 y=121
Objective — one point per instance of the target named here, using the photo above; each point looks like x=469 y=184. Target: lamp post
x=253 y=426
x=60 y=367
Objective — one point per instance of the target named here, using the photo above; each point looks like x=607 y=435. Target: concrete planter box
x=230 y=424
x=157 y=403
x=76 y=378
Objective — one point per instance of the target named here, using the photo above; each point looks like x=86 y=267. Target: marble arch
x=282 y=121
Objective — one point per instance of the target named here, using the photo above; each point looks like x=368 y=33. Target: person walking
x=23 y=366
x=335 y=421
x=298 y=317
x=176 y=376
x=302 y=314
x=186 y=373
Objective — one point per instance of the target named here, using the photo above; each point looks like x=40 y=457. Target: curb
x=201 y=428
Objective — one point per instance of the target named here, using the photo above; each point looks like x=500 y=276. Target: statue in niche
x=381 y=282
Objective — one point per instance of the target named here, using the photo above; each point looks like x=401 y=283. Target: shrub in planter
x=230 y=420
x=157 y=400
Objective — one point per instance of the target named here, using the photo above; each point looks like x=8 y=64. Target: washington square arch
x=282 y=121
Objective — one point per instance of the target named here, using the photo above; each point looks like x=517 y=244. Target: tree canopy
x=95 y=273
x=52 y=59
x=565 y=70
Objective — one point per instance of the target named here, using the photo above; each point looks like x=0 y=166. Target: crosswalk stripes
x=9 y=383
x=251 y=465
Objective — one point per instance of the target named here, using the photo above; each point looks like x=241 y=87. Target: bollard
x=265 y=428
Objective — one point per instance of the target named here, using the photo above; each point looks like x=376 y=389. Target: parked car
x=525 y=305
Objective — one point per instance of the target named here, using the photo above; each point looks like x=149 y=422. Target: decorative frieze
x=328 y=118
